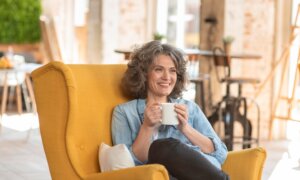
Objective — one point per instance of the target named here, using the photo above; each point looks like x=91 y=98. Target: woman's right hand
x=152 y=115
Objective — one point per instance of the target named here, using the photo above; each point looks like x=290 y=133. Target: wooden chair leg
x=30 y=90
x=19 y=98
x=4 y=95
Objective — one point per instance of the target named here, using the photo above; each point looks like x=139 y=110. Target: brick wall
x=124 y=25
x=251 y=22
x=132 y=25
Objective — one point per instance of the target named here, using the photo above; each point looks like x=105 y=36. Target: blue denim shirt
x=128 y=118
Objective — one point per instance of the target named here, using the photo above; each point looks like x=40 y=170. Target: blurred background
x=35 y=32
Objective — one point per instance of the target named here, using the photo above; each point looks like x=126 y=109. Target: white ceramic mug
x=169 y=116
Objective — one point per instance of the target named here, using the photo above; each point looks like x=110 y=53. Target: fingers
x=182 y=112
x=181 y=119
x=182 y=115
x=152 y=114
x=155 y=110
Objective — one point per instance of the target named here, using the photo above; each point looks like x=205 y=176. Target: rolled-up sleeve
x=201 y=124
x=121 y=132
x=220 y=152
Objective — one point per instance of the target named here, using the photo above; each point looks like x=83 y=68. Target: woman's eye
x=158 y=69
x=173 y=70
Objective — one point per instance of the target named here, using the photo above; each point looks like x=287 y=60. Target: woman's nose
x=166 y=75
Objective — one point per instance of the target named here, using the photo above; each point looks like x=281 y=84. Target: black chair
x=232 y=107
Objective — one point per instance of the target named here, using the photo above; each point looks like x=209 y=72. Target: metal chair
x=232 y=108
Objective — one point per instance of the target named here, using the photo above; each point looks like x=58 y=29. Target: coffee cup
x=169 y=116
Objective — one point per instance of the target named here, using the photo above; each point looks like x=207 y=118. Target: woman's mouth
x=164 y=84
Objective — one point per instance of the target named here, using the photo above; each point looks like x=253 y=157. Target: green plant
x=228 y=39
x=19 y=21
x=158 y=36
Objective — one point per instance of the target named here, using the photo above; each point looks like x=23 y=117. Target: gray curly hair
x=134 y=82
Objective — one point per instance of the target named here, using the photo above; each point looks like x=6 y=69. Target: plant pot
x=227 y=48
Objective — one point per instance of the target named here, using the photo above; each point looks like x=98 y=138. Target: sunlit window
x=179 y=22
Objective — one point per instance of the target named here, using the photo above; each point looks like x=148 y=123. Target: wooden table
x=193 y=54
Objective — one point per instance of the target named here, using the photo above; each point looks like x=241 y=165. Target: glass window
x=179 y=21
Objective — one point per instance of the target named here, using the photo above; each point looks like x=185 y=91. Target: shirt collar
x=141 y=104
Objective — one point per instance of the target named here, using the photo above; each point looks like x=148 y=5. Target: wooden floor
x=21 y=152
x=22 y=156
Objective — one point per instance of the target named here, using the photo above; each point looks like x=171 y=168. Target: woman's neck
x=155 y=99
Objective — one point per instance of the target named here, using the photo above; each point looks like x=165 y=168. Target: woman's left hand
x=182 y=115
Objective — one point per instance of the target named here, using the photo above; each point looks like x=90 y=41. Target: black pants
x=182 y=162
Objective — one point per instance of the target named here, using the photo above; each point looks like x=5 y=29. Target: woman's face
x=162 y=77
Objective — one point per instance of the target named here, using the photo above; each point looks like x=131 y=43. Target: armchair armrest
x=246 y=164
x=145 y=172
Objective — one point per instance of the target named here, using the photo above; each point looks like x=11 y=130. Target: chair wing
x=246 y=164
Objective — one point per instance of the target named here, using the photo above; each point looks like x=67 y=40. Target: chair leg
x=225 y=115
x=229 y=114
x=245 y=122
x=4 y=95
x=30 y=91
x=246 y=126
x=229 y=117
x=25 y=97
x=19 y=98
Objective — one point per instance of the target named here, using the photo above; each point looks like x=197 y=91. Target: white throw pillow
x=115 y=157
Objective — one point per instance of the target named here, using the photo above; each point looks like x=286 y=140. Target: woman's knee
x=166 y=142
x=162 y=148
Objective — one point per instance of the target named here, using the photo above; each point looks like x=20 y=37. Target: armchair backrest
x=75 y=104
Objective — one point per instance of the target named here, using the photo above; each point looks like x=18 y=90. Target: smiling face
x=162 y=78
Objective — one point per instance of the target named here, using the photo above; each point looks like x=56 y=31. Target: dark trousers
x=182 y=162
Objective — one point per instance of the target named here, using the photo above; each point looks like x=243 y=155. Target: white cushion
x=114 y=158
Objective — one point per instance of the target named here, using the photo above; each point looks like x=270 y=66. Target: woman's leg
x=182 y=162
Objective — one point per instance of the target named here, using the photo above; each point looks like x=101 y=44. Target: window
x=179 y=21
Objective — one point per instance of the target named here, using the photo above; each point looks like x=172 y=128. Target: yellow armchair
x=75 y=104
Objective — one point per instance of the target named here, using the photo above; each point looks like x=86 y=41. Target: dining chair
x=16 y=85
x=11 y=81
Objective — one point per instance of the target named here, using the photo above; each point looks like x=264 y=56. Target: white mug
x=169 y=116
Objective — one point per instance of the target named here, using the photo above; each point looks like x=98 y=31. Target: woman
x=190 y=150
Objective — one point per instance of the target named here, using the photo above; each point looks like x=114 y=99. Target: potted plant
x=227 y=41
x=157 y=36
x=19 y=27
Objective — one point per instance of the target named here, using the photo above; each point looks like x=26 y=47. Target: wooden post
x=284 y=57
